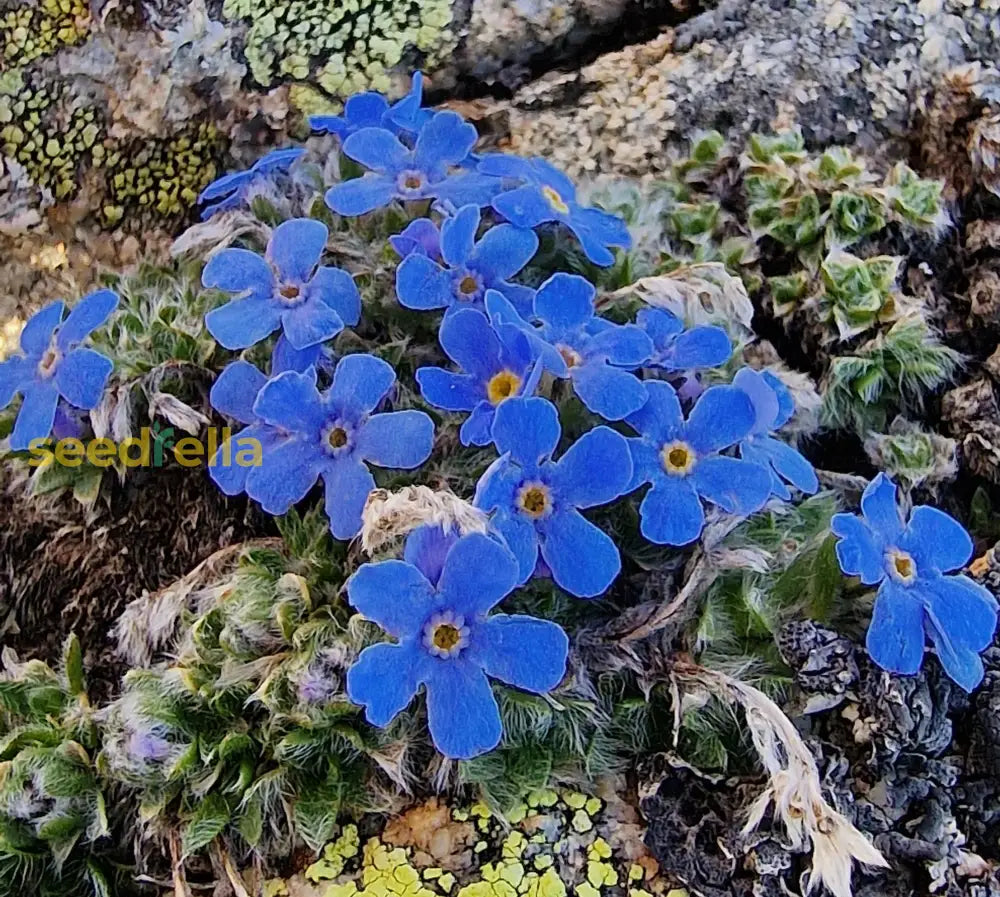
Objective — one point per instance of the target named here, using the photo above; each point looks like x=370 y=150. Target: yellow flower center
x=446 y=636
x=901 y=566
x=678 y=458
x=338 y=437
x=502 y=386
x=555 y=200
x=468 y=285
x=534 y=500
x=413 y=182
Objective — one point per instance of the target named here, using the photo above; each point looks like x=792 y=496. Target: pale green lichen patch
x=40 y=28
x=340 y=46
x=542 y=854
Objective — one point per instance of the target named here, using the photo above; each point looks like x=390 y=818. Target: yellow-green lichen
x=340 y=46
x=41 y=28
x=540 y=855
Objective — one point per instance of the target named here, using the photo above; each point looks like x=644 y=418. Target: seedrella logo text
x=153 y=447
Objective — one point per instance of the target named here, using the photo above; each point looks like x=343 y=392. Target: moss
x=339 y=46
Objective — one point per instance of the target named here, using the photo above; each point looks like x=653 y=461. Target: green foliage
x=54 y=824
x=889 y=374
x=857 y=293
x=912 y=455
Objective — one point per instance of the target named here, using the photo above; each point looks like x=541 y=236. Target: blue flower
x=676 y=349
x=230 y=191
x=284 y=288
x=53 y=365
x=470 y=267
x=435 y=603
x=233 y=395
x=547 y=195
x=535 y=501
x=372 y=110
x=334 y=435
x=681 y=460
x=595 y=354
x=421 y=236
x=773 y=406
x=425 y=172
x=497 y=364
x=908 y=559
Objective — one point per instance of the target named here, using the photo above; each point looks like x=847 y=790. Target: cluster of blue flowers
x=317 y=417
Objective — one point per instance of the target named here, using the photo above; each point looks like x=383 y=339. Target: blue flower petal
x=596 y=230
x=565 y=301
x=661 y=325
x=243 y=322
x=359 y=196
x=477 y=427
x=462 y=713
x=238 y=271
x=721 y=417
x=738 y=487
x=285 y=357
x=762 y=397
x=660 y=417
x=337 y=289
x=521 y=297
x=895 y=638
x=398 y=439
x=423 y=284
x=223 y=186
x=504 y=250
x=420 y=235
x=468 y=339
x=375 y=148
x=522 y=651
x=463 y=189
x=583 y=559
x=524 y=207
x=277 y=160
x=937 y=541
x=964 y=611
x=288 y=470
x=394 y=594
x=15 y=374
x=38 y=411
x=595 y=469
x=385 y=679
x=623 y=345
x=786 y=404
x=426 y=548
x=406 y=113
x=445 y=140
x=878 y=504
x=348 y=485
x=496 y=486
x=750 y=450
x=458 y=235
x=859 y=551
x=36 y=335
x=478 y=574
x=706 y=346
x=671 y=512
x=546 y=173
x=88 y=314
x=608 y=391
x=295 y=248
x=310 y=324
x=790 y=464
x=503 y=165
x=452 y=392
x=527 y=428
x=81 y=377
x=520 y=536
x=360 y=382
x=647 y=465
x=230 y=476
x=366 y=109
x=292 y=402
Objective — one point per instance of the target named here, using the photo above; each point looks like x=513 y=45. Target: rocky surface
x=847 y=71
